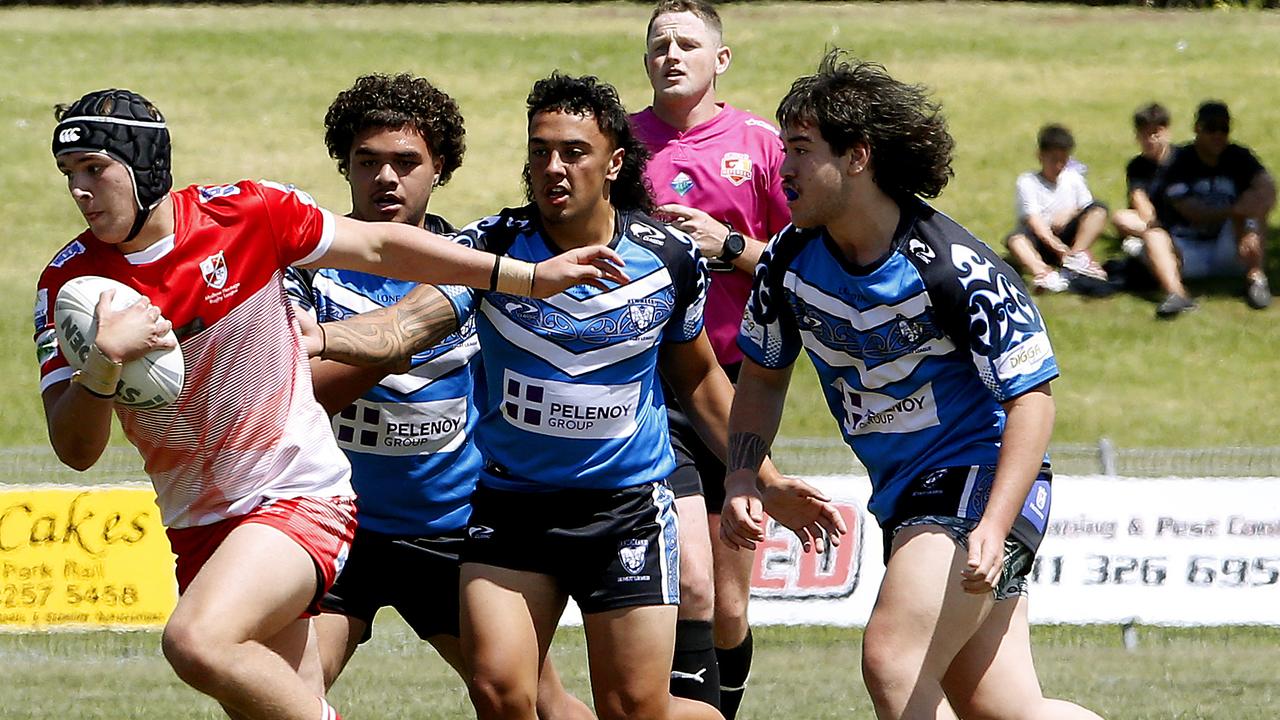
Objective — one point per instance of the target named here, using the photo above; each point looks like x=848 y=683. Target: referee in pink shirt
x=714 y=173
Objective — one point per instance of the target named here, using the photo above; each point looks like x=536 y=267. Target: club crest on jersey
x=642 y=314
x=681 y=183
x=631 y=554
x=736 y=167
x=68 y=252
x=214 y=270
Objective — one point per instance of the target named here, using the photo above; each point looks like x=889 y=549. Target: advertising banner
x=1173 y=551
x=1170 y=551
x=75 y=557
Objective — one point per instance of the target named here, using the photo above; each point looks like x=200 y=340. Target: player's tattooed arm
x=389 y=337
x=747 y=451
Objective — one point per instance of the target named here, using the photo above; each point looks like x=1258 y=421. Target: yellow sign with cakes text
x=76 y=557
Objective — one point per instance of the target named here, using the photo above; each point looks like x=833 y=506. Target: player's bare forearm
x=750 y=257
x=1028 y=426
x=702 y=388
x=388 y=337
x=79 y=424
x=756 y=414
x=404 y=252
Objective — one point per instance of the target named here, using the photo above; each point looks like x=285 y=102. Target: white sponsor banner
x=1174 y=551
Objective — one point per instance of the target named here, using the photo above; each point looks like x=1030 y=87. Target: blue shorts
x=1018 y=558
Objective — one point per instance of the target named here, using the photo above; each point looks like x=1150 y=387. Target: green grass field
x=807 y=673
x=245 y=91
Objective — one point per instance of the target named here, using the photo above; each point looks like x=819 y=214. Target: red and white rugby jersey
x=246 y=426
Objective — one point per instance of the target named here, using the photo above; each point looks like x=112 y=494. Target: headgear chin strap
x=129 y=128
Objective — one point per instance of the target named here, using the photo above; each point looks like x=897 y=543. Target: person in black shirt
x=1213 y=199
x=1151 y=128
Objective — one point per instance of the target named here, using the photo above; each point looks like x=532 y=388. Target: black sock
x=735 y=667
x=694 y=674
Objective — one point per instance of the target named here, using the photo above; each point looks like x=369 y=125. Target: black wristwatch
x=734 y=245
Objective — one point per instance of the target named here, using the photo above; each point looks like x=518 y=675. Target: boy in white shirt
x=1057 y=217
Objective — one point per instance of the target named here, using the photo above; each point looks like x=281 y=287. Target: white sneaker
x=1051 y=281
x=1081 y=264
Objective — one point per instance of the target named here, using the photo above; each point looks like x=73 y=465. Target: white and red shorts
x=324 y=527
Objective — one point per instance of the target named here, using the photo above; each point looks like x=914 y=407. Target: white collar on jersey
x=152 y=253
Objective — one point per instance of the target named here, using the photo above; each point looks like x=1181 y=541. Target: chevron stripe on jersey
x=576 y=403
x=883 y=344
x=580 y=336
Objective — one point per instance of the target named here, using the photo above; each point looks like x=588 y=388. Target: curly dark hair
x=588 y=95
x=396 y=101
x=851 y=101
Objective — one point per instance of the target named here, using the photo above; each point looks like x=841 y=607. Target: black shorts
x=607 y=549
x=416 y=576
x=698 y=470
x=963 y=492
x=1067 y=234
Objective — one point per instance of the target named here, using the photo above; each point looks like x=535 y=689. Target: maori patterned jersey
x=573 y=394
x=915 y=352
x=409 y=438
x=246 y=427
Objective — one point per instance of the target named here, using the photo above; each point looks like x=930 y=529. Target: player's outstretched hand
x=705 y=230
x=804 y=510
x=742 y=517
x=986 y=560
x=131 y=332
x=590 y=265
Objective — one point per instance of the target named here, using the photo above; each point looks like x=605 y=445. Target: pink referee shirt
x=726 y=167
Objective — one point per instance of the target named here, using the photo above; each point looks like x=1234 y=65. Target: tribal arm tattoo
x=390 y=336
x=747 y=451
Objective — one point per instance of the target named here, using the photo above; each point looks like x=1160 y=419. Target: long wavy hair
x=851 y=101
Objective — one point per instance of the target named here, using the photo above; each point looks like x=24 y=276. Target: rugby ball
x=149 y=382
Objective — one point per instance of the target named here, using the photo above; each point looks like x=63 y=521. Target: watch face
x=734 y=245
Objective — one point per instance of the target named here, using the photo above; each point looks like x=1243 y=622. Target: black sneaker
x=1175 y=305
x=1257 y=293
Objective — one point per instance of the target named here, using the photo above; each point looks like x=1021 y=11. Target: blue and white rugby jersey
x=915 y=353
x=574 y=397
x=409 y=438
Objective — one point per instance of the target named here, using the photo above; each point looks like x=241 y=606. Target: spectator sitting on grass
x=1137 y=223
x=1212 y=199
x=1058 y=219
